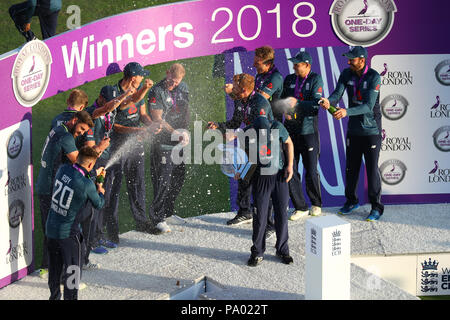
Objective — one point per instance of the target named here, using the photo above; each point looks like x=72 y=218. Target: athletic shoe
x=91 y=266
x=107 y=244
x=315 y=211
x=163 y=227
x=298 y=214
x=347 y=208
x=43 y=273
x=99 y=250
x=269 y=233
x=285 y=258
x=254 y=261
x=374 y=215
x=240 y=219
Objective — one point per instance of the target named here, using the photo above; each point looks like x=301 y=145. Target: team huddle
x=79 y=199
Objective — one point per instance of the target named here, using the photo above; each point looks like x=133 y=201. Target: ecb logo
x=362 y=22
x=31 y=72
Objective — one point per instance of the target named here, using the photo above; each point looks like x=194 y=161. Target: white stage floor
x=158 y=266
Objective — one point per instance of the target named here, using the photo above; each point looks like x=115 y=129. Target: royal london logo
x=394 y=106
x=15 y=184
x=31 y=72
x=438 y=175
x=441 y=138
x=442 y=72
x=393 y=77
x=439 y=109
x=429 y=281
x=392 y=171
x=362 y=22
x=394 y=143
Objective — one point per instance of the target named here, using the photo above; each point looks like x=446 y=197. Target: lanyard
x=356 y=86
x=174 y=102
x=246 y=107
x=108 y=121
x=264 y=76
x=298 y=90
x=64 y=126
x=76 y=167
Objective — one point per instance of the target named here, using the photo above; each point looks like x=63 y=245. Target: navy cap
x=109 y=93
x=261 y=122
x=302 y=56
x=356 y=52
x=135 y=69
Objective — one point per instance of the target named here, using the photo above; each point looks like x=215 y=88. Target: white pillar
x=327 y=259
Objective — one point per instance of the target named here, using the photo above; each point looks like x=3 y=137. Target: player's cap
x=261 y=122
x=109 y=93
x=302 y=56
x=135 y=69
x=356 y=52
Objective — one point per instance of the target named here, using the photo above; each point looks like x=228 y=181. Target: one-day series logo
x=394 y=106
x=31 y=72
x=362 y=22
x=14 y=144
x=392 y=171
x=442 y=72
x=441 y=138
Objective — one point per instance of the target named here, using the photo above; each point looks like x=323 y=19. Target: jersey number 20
x=62 y=198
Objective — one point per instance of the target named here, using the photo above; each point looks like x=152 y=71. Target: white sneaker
x=43 y=273
x=81 y=286
x=163 y=227
x=315 y=211
x=91 y=266
x=298 y=214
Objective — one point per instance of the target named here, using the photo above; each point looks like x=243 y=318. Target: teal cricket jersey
x=59 y=142
x=128 y=117
x=66 y=115
x=267 y=150
x=270 y=83
x=51 y=5
x=71 y=190
x=247 y=112
x=175 y=109
x=102 y=126
x=308 y=91
x=363 y=98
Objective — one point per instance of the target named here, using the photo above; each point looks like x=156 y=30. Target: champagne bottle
x=332 y=109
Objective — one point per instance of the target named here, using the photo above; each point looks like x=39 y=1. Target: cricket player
x=71 y=189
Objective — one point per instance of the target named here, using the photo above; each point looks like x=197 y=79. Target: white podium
x=327 y=259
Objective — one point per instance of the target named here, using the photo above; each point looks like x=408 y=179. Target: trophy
x=235 y=161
